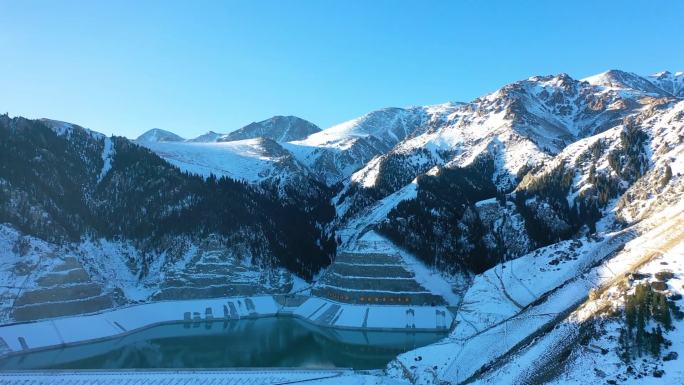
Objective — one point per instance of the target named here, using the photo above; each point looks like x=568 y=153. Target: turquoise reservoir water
x=247 y=343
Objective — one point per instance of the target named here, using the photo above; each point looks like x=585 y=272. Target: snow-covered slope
x=625 y=81
x=337 y=152
x=252 y=160
x=528 y=320
x=259 y=161
x=522 y=125
x=561 y=186
x=252 y=153
x=519 y=318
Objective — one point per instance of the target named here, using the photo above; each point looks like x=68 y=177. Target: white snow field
x=242 y=160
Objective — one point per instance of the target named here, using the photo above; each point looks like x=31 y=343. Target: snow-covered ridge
x=663 y=83
x=158 y=135
x=277 y=128
x=209 y=137
x=65 y=129
x=670 y=82
x=335 y=153
x=520 y=126
x=524 y=122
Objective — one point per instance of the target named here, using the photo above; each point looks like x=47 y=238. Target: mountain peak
x=159 y=135
x=208 y=137
x=662 y=74
x=624 y=80
x=278 y=128
x=672 y=83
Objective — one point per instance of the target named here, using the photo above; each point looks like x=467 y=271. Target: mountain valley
x=539 y=215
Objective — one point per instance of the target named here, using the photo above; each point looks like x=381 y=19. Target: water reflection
x=263 y=342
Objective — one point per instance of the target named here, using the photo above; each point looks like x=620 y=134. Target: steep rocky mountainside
x=335 y=153
x=521 y=125
x=559 y=153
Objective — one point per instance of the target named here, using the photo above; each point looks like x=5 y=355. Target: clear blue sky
x=191 y=66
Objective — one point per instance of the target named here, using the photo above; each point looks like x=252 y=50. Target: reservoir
x=275 y=342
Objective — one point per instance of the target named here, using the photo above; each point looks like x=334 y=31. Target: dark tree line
x=643 y=308
x=395 y=171
x=550 y=191
x=441 y=225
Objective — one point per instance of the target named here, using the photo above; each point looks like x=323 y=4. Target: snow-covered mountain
x=208 y=137
x=251 y=160
x=669 y=82
x=261 y=162
x=545 y=208
x=158 y=135
x=515 y=129
x=604 y=216
x=379 y=156
x=521 y=124
x=277 y=128
x=337 y=152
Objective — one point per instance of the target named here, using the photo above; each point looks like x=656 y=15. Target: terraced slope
x=66 y=289
x=214 y=272
x=376 y=278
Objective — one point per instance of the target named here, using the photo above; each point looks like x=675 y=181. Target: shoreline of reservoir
x=20 y=338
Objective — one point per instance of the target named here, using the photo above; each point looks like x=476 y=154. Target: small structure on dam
x=373 y=278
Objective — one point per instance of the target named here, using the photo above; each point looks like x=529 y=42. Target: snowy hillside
x=251 y=160
x=91 y=222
